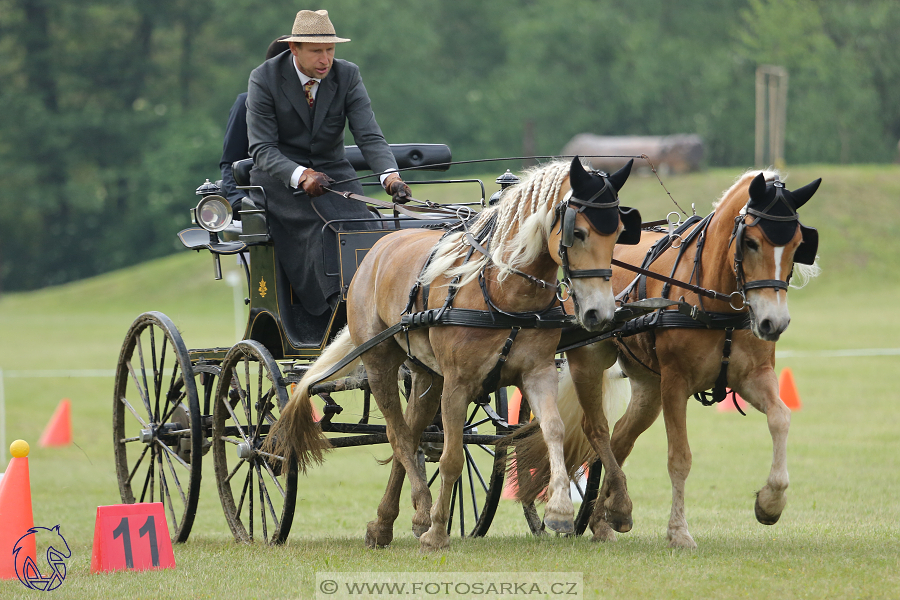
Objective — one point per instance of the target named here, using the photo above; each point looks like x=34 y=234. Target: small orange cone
x=787 y=389
x=727 y=405
x=512 y=409
x=510 y=489
x=59 y=430
x=16 y=517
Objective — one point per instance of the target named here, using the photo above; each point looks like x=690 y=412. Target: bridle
x=737 y=236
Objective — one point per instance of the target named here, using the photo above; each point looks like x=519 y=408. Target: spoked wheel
x=258 y=490
x=476 y=494
x=156 y=422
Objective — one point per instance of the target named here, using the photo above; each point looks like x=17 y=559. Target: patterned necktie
x=307 y=87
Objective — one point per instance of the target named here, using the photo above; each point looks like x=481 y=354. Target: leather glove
x=399 y=191
x=312 y=182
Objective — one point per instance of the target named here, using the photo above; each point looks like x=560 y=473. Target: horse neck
x=717 y=261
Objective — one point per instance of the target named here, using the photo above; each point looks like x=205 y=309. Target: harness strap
x=492 y=381
x=458 y=317
x=719 y=389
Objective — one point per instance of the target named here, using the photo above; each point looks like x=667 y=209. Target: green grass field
x=839 y=536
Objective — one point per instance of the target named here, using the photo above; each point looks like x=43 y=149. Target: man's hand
x=312 y=182
x=398 y=190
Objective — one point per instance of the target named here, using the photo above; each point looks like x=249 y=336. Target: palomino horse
x=514 y=277
x=749 y=247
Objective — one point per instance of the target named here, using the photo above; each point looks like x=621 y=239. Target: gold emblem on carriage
x=262 y=287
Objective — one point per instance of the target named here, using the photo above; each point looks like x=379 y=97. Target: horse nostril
x=765 y=326
x=591 y=316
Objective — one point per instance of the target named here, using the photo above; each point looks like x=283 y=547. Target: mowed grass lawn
x=839 y=536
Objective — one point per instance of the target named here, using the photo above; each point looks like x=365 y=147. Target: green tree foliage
x=113 y=111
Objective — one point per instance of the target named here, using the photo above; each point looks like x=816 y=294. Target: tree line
x=113 y=111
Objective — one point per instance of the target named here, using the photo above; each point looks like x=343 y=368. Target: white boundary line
x=853 y=353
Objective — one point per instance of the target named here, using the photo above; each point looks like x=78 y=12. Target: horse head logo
x=58 y=552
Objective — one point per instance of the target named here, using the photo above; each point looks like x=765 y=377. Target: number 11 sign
x=131 y=536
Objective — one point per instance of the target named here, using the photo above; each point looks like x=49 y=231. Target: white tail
x=530 y=456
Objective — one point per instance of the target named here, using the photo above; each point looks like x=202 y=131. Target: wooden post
x=771 y=115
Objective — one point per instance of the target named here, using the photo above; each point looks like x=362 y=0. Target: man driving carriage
x=297 y=106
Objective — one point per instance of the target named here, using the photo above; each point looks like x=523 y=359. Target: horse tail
x=531 y=456
x=297 y=435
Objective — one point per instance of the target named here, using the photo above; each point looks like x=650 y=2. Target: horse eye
x=752 y=245
x=580 y=235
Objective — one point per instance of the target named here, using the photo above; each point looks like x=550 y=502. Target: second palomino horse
x=746 y=251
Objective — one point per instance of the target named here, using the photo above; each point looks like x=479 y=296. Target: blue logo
x=57 y=552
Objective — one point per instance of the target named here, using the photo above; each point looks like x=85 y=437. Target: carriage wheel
x=476 y=494
x=258 y=490
x=157 y=438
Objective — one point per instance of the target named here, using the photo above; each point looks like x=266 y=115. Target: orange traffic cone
x=512 y=406
x=787 y=389
x=511 y=488
x=16 y=517
x=59 y=430
x=727 y=405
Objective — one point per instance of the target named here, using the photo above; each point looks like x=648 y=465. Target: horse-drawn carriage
x=173 y=405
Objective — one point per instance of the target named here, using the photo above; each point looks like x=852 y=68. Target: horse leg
x=540 y=387
x=642 y=411
x=586 y=366
x=423 y=404
x=674 y=400
x=454 y=402
x=382 y=364
x=762 y=393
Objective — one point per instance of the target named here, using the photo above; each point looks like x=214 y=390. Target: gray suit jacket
x=284 y=132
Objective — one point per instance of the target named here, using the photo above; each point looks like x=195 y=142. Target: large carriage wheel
x=586 y=495
x=156 y=422
x=476 y=494
x=258 y=490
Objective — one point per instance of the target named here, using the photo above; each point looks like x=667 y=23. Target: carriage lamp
x=213 y=213
x=506 y=180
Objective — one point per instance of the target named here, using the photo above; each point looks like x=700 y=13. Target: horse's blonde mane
x=802 y=273
x=743 y=181
x=524 y=218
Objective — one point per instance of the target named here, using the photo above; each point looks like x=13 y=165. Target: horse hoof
x=432 y=542
x=419 y=530
x=604 y=533
x=622 y=524
x=376 y=538
x=559 y=525
x=764 y=517
x=682 y=540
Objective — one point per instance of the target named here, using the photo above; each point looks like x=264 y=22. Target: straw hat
x=313 y=26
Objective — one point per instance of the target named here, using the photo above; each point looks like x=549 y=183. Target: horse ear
x=578 y=176
x=803 y=194
x=619 y=178
x=758 y=188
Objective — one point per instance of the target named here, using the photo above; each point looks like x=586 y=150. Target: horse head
x=591 y=222
x=768 y=239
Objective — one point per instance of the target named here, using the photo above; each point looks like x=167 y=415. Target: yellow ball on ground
x=19 y=449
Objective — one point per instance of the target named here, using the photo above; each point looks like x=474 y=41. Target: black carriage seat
x=302 y=329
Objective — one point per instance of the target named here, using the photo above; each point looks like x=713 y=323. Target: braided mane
x=524 y=218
